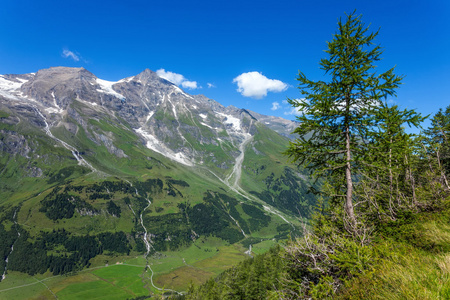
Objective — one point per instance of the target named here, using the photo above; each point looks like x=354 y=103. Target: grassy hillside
x=411 y=261
x=407 y=259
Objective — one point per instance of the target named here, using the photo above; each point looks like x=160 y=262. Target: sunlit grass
x=416 y=269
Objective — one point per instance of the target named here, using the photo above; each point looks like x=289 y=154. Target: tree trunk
x=442 y=170
x=348 y=176
x=413 y=183
x=429 y=158
x=391 y=179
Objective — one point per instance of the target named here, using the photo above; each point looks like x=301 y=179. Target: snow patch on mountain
x=154 y=144
x=204 y=124
x=106 y=88
x=53 y=110
x=57 y=109
x=86 y=102
x=128 y=79
x=9 y=85
x=150 y=114
x=9 y=88
x=180 y=91
x=229 y=119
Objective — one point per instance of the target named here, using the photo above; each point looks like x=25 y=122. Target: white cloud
x=69 y=54
x=256 y=85
x=189 y=84
x=293 y=111
x=177 y=79
x=210 y=85
x=170 y=76
x=275 y=106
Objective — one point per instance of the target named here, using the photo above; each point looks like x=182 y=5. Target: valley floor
x=125 y=277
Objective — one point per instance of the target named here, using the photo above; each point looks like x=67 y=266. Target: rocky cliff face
x=192 y=130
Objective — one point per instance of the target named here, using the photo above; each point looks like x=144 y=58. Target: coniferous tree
x=338 y=115
x=438 y=142
x=389 y=159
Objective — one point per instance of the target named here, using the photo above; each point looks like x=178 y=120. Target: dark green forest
x=61 y=252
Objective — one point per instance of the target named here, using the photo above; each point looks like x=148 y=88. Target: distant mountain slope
x=277 y=124
x=138 y=156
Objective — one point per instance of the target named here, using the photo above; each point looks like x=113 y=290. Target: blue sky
x=219 y=46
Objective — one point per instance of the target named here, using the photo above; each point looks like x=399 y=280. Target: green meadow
x=123 y=277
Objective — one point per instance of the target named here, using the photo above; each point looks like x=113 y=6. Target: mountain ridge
x=135 y=98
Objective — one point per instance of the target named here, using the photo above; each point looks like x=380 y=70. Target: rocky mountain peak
x=62 y=74
x=147 y=76
x=57 y=86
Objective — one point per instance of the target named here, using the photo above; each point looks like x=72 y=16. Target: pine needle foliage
x=389 y=181
x=339 y=114
x=438 y=142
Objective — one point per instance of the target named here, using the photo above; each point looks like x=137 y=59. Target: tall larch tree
x=338 y=115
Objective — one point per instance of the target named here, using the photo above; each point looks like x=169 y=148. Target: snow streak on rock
x=9 y=88
x=56 y=108
x=154 y=144
x=75 y=152
x=233 y=121
x=106 y=87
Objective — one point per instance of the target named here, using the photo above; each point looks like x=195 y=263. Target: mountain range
x=138 y=166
